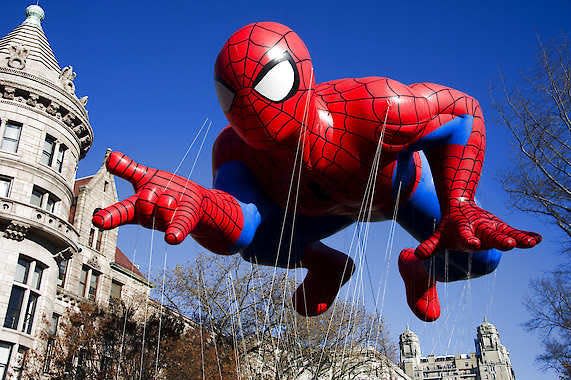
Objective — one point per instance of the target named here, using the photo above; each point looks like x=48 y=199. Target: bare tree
x=550 y=307
x=94 y=343
x=538 y=114
x=250 y=307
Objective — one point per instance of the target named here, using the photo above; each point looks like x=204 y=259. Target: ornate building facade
x=52 y=256
x=491 y=361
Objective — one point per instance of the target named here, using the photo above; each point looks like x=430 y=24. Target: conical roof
x=31 y=77
x=29 y=41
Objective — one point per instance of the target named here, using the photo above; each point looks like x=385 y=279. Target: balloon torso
x=342 y=156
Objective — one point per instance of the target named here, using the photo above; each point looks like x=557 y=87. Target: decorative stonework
x=40 y=102
x=8 y=92
x=56 y=88
x=67 y=297
x=53 y=108
x=18 y=55
x=64 y=254
x=94 y=263
x=67 y=77
x=16 y=231
x=33 y=100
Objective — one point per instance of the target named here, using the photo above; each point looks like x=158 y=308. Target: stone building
x=491 y=361
x=52 y=256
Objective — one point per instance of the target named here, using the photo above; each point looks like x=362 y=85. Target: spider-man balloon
x=431 y=141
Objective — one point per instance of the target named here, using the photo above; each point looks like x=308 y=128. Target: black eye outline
x=286 y=56
x=219 y=81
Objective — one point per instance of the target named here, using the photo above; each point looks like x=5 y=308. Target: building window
x=49 y=355
x=24 y=296
x=105 y=186
x=14 y=307
x=19 y=362
x=54 y=324
x=5 y=351
x=37 y=196
x=11 y=138
x=5 y=185
x=62 y=267
x=99 y=240
x=83 y=280
x=91 y=237
x=60 y=157
x=95 y=240
x=93 y=283
x=48 y=150
x=22 y=269
x=88 y=283
x=116 y=290
x=51 y=203
x=43 y=199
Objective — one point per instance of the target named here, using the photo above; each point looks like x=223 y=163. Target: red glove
x=175 y=205
x=467 y=227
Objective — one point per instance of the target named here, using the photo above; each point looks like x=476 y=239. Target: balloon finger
x=185 y=218
x=165 y=210
x=491 y=238
x=145 y=206
x=123 y=166
x=524 y=239
x=116 y=215
x=467 y=237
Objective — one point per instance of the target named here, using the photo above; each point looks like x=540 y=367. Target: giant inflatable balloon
x=329 y=144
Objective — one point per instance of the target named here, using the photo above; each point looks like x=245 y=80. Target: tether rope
x=151 y=251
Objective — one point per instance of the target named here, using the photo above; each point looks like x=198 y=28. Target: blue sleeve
x=236 y=179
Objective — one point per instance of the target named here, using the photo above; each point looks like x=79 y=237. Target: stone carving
x=64 y=254
x=33 y=100
x=94 y=263
x=83 y=100
x=61 y=112
x=18 y=55
x=9 y=92
x=16 y=231
x=85 y=140
x=52 y=108
x=79 y=129
x=67 y=77
x=68 y=119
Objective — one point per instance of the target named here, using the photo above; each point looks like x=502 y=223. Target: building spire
x=34 y=15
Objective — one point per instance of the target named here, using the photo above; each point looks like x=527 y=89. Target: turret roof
x=40 y=58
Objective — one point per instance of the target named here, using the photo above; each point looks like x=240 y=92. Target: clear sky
x=147 y=67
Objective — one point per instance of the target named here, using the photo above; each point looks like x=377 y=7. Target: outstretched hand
x=467 y=227
x=162 y=200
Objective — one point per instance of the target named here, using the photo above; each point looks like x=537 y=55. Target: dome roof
x=27 y=48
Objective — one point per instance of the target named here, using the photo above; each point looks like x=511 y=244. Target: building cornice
x=80 y=108
x=132 y=275
x=35 y=100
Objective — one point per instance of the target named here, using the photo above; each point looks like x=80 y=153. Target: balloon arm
x=177 y=206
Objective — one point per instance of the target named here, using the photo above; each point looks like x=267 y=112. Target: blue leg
x=421 y=213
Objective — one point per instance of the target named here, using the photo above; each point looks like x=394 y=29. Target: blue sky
x=147 y=68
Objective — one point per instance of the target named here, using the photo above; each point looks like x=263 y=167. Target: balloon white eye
x=225 y=96
x=278 y=82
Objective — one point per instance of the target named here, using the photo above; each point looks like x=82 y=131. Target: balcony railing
x=40 y=221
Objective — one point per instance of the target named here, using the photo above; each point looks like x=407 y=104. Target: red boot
x=421 y=292
x=328 y=271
